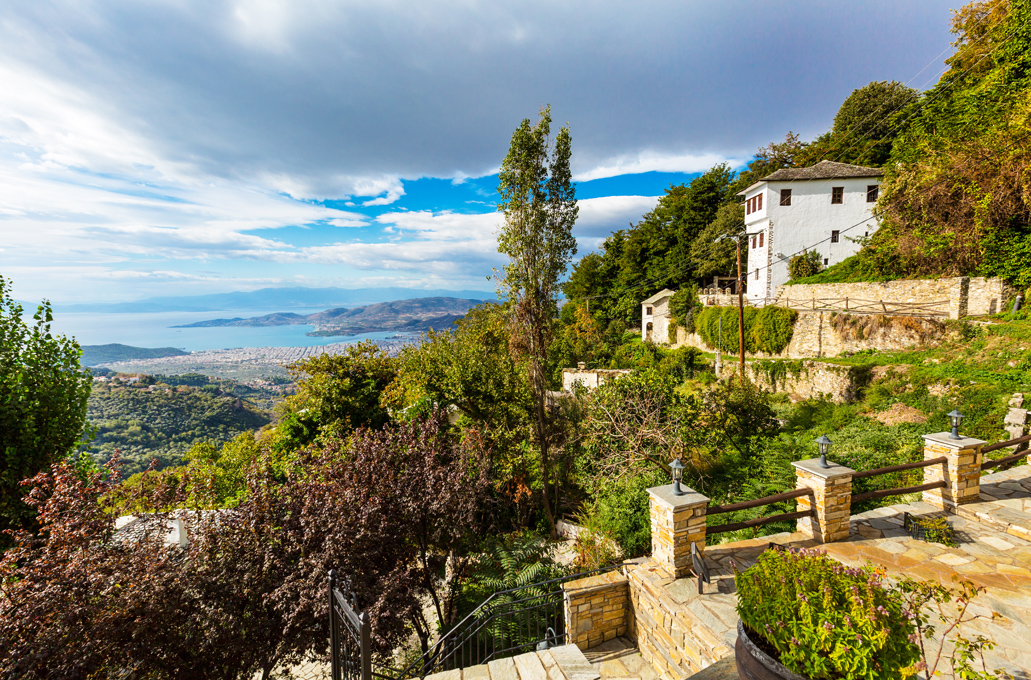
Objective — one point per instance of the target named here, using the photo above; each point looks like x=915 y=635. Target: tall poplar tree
x=538 y=200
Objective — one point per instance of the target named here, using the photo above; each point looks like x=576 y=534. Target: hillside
x=102 y=354
x=269 y=298
x=153 y=419
x=413 y=315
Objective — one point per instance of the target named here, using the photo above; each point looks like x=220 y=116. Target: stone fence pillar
x=961 y=471
x=832 y=495
x=597 y=609
x=677 y=522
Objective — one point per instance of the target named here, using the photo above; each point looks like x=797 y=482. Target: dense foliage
x=767 y=329
x=826 y=620
x=149 y=420
x=43 y=395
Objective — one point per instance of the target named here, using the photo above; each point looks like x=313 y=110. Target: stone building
x=821 y=208
x=655 y=317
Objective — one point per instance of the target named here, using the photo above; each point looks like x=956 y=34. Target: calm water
x=152 y=330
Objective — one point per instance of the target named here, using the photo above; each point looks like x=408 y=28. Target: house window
x=753 y=243
x=759 y=205
x=871 y=193
x=826 y=261
x=785 y=196
x=761 y=234
x=756 y=274
x=748 y=207
x=837 y=194
x=648 y=311
x=835 y=236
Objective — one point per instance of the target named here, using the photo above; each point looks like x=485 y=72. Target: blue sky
x=164 y=147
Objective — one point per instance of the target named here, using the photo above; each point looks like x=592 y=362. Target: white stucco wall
x=809 y=219
x=659 y=318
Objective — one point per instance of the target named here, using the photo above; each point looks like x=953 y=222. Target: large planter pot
x=755 y=664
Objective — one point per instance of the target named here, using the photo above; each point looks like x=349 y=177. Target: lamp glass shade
x=824 y=443
x=956 y=418
x=678 y=469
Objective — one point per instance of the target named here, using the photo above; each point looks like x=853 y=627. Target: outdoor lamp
x=678 y=474
x=955 y=418
x=825 y=445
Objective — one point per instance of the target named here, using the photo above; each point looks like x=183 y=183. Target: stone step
x=724 y=669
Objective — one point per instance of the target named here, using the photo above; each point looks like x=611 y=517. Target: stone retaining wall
x=590 y=378
x=965 y=296
x=596 y=609
x=670 y=636
x=815 y=336
x=842 y=384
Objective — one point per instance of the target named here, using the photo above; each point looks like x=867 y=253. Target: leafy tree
x=711 y=258
x=538 y=200
x=869 y=120
x=43 y=397
x=337 y=393
x=248 y=594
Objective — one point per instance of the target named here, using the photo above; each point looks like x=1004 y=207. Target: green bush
x=682 y=307
x=766 y=330
x=826 y=620
x=621 y=512
x=804 y=265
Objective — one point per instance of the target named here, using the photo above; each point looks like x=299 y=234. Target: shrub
x=772 y=328
x=825 y=620
x=804 y=265
x=682 y=307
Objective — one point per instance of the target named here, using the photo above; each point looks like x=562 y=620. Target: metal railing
x=989 y=464
x=759 y=521
x=505 y=624
x=882 y=493
x=350 y=646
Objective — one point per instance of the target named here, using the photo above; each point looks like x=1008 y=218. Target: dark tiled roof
x=823 y=170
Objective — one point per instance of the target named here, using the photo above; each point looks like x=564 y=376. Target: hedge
x=768 y=329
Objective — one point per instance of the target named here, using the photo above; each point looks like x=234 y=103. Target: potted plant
x=804 y=615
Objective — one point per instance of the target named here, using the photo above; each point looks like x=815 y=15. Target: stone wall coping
x=945 y=439
x=609 y=578
x=812 y=466
x=664 y=494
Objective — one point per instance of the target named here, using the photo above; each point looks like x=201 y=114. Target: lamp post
x=678 y=473
x=955 y=418
x=824 y=444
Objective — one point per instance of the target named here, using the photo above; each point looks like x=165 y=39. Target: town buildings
x=826 y=208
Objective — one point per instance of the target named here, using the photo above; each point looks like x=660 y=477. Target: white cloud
x=654 y=161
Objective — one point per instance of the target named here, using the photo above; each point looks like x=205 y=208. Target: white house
x=655 y=317
x=821 y=208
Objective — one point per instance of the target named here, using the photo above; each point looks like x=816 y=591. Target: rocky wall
x=596 y=609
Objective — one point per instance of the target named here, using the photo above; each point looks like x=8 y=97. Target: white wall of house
x=810 y=219
x=655 y=318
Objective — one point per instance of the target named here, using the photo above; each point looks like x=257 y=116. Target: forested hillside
x=150 y=419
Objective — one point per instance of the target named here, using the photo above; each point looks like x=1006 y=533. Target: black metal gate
x=349 y=635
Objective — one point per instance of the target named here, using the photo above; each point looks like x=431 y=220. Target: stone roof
x=823 y=170
x=664 y=293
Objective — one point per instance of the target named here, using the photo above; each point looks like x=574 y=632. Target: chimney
x=581 y=365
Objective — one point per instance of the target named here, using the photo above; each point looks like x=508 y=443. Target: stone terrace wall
x=842 y=384
x=672 y=637
x=966 y=296
x=596 y=609
x=590 y=378
x=815 y=337
x=988 y=296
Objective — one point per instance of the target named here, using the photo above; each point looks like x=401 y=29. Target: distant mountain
x=271 y=298
x=417 y=314
x=100 y=354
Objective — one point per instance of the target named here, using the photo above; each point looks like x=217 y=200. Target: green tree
x=804 y=265
x=43 y=398
x=538 y=199
x=719 y=258
x=336 y=394
x=869 y=120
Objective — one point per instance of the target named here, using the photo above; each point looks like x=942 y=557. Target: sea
x=154 y=329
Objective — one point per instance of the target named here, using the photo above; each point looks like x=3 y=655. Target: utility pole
x=740 y=306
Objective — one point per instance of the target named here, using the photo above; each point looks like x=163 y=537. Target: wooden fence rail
x=935 y=309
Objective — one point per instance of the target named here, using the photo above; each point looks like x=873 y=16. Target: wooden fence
x=936 y=309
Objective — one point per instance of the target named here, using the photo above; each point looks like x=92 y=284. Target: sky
x=175 y=147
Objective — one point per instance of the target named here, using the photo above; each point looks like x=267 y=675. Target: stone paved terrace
x=616 y=658
x=990 y=552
